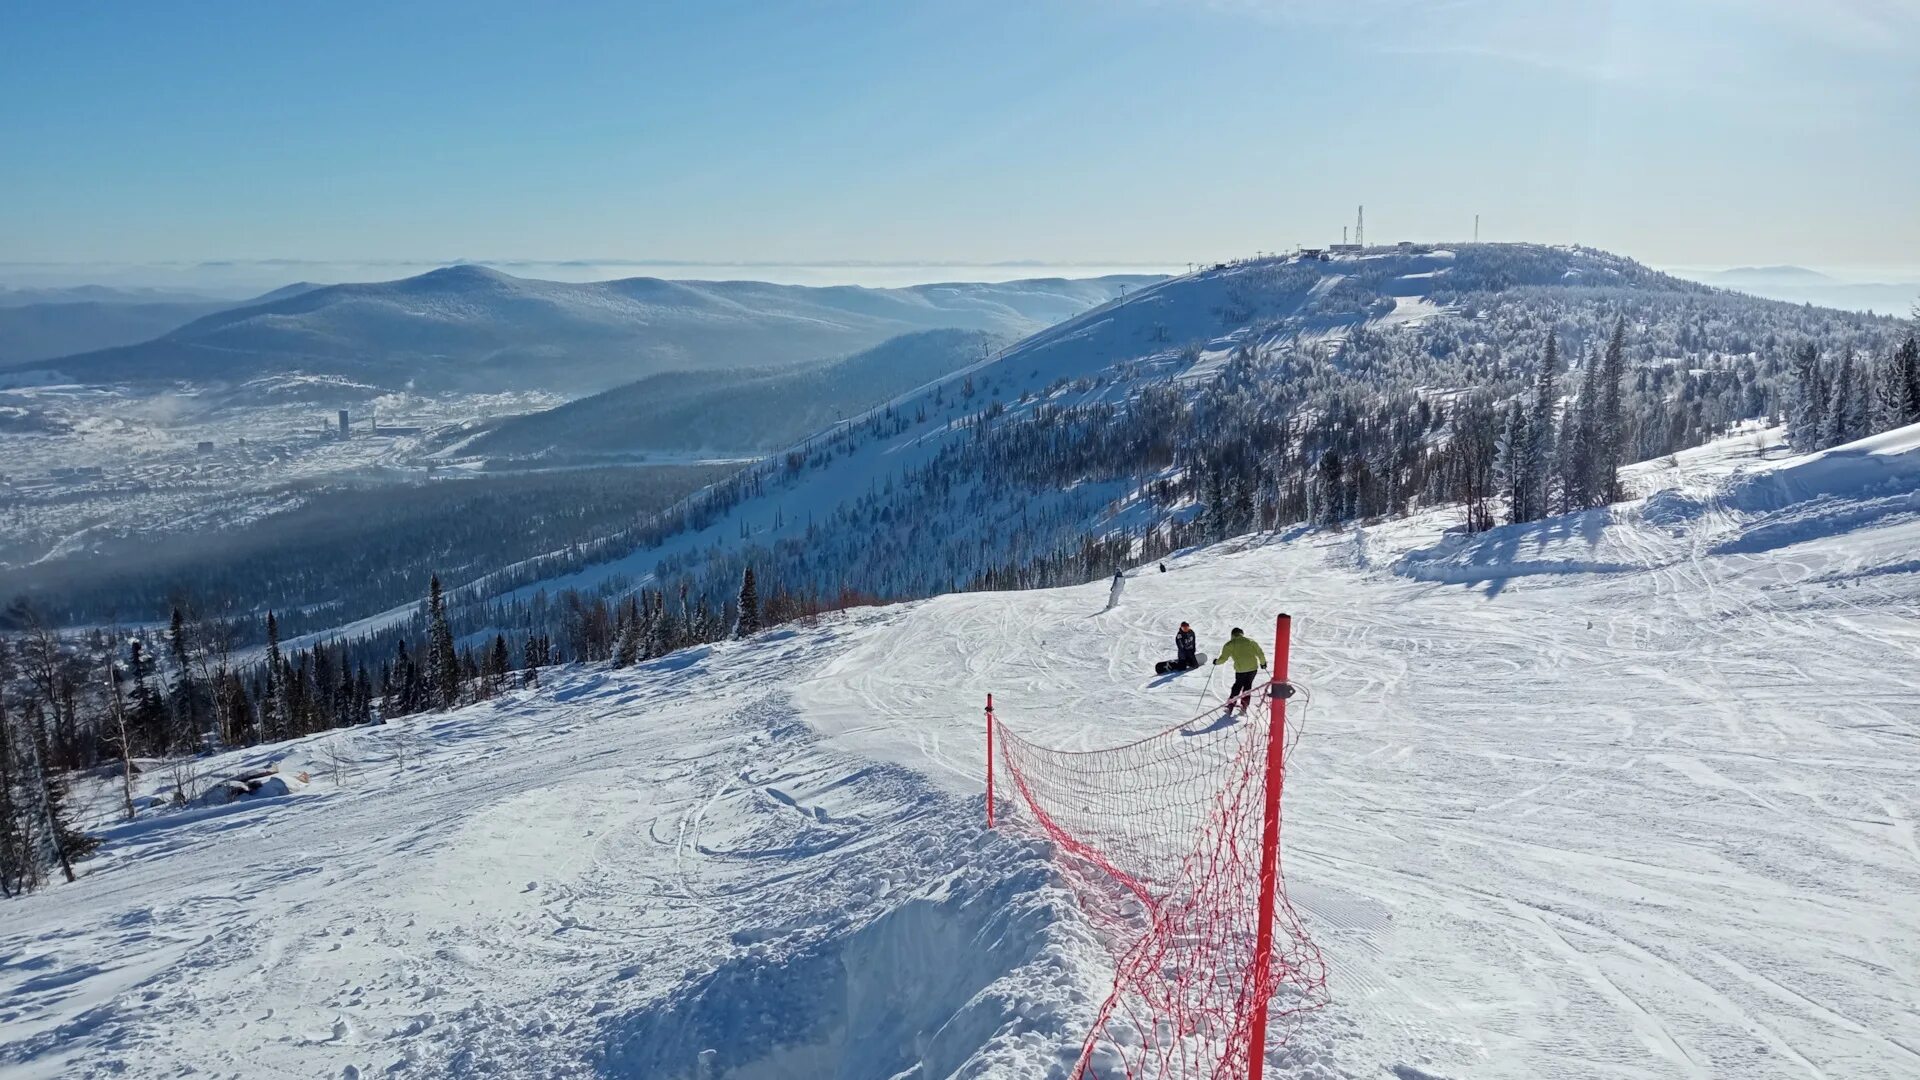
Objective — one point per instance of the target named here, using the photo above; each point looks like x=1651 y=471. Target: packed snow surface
x=1623 y=794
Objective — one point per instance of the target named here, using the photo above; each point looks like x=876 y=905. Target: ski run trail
x=1629 y=793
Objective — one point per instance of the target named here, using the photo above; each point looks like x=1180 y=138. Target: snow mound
x=969 y=970
x=259 y=786
x=1756 y=507
x=1848 y=488
x=1582 y=543
x=1887 y=463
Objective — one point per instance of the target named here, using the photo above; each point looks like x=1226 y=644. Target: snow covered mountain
x=1194 y=409
x=1191 y=410
x=1629 y=792
x=471 y=328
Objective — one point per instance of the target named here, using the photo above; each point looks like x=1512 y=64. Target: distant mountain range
x=1779 y=275
x=34 y=331
x=752 y=409
x=106 y=294
x=40 y=324
x=1800 y=285
x=470 y=328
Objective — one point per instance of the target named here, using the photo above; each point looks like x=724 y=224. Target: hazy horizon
x=240 y=279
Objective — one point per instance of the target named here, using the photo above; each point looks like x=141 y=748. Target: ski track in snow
x=1602 y=796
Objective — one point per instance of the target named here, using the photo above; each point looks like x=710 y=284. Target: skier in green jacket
x=1248 y=659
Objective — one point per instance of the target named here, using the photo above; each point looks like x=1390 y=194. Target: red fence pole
x=989 y=761
x=1269 y=850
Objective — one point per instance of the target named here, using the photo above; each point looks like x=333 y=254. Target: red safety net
x=1161 y=840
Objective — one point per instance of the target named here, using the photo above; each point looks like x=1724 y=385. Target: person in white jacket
x=1119 y=583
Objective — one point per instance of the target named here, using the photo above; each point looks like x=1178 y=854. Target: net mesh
x=1161 y=841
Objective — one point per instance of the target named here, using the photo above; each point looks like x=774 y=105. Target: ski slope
x=1623 y=794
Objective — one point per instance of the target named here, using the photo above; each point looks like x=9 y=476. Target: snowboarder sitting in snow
x=1248 y=659
x=1187 y=649
x=1189 y=653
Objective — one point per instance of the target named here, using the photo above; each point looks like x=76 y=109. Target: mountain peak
x=1777 y=274
x=461 y=273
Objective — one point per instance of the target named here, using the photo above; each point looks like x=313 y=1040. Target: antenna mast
x=1476 y=228
x=1360 y=229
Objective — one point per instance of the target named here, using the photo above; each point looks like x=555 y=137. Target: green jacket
x=1245 y=652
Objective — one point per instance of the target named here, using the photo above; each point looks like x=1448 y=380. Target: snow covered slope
x=1628 y=795
x=739 y=409
x=913 y=500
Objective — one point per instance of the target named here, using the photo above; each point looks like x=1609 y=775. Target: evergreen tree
x=469 y=676
x=1512 y=455
x=236 y=709
x=15 y=833
x=1907 y=359
x=148 y=718
x=1581 y=483
x=346 y=698
x=1540 y=439
x=1471 y=456
x=1329 y=490
x=1807 y=411
x=324 y=687
x=1842 y=422
x=666 y=628
x=1213 y=497
x=630 y=630
x=443 y=664
x=55 y=841
x=705 y=626
x=274 y=717
x=406 y=680
x=749 y=623
x=188 y=705
x=1610 y=440
x=536 y=655
x=498 y=665
x=1887 y=395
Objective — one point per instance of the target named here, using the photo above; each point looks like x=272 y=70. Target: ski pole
x=1207 y=686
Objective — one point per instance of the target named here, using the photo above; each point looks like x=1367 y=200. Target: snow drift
x=940 y=984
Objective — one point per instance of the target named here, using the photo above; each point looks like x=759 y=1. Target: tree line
x=107 y=705
x=1839 y=399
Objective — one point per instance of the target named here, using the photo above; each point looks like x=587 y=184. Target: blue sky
x=1699 y=132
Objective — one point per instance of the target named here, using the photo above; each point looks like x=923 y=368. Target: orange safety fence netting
x=1161 y=840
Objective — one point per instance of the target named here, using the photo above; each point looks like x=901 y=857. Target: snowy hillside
x=475 y=329
x=1627 y=793
x=740 y=409
x=1210 y=393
